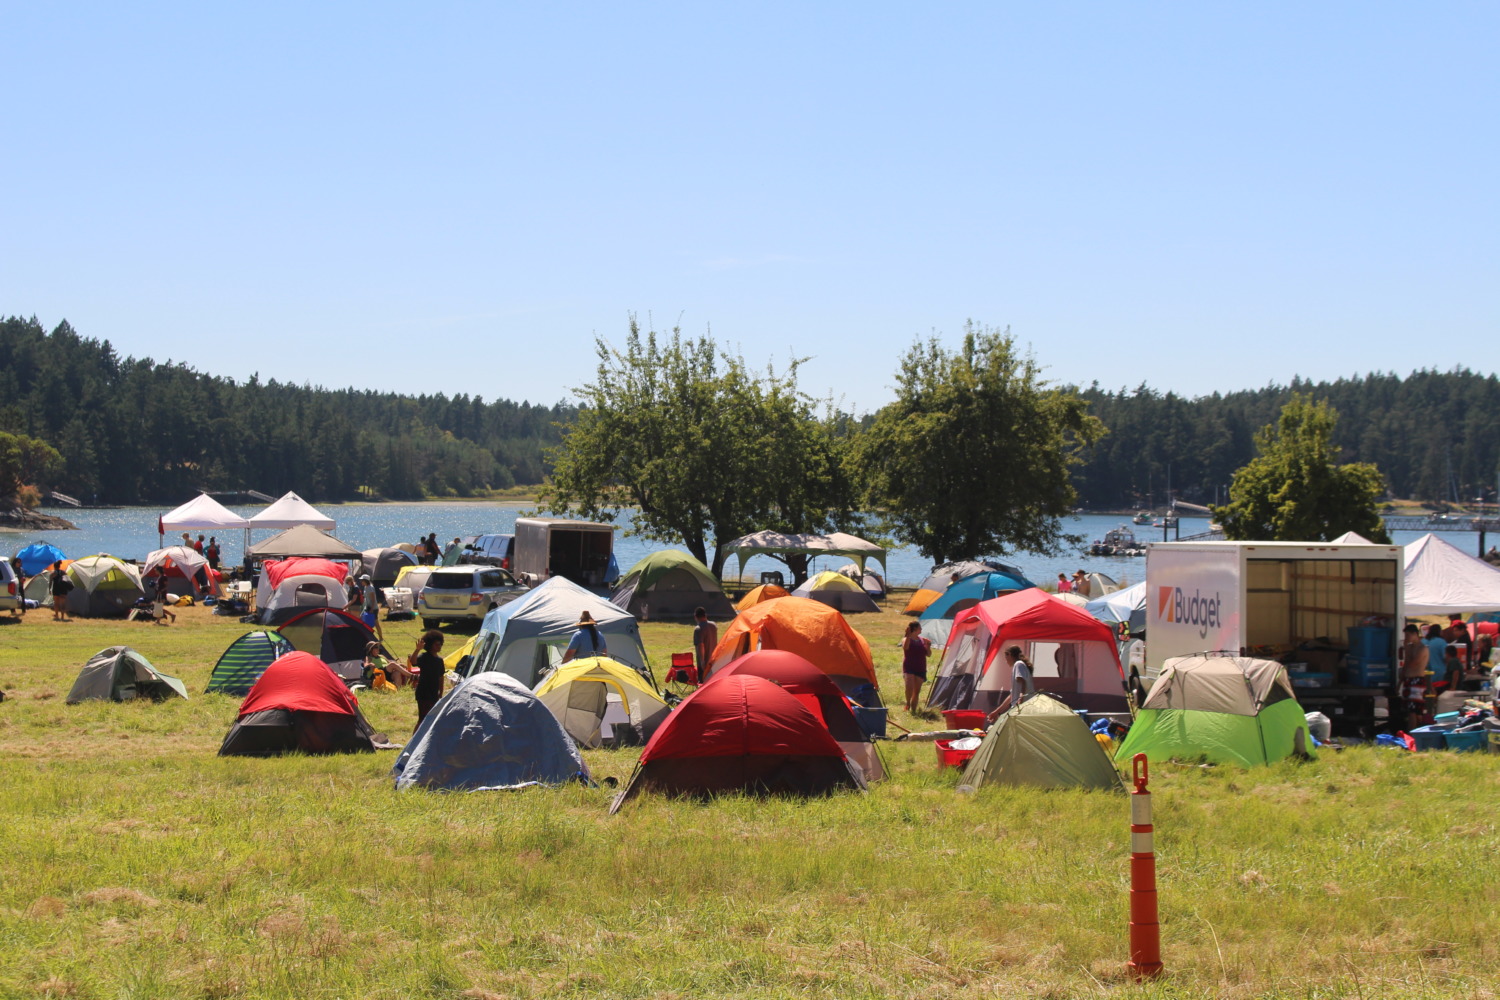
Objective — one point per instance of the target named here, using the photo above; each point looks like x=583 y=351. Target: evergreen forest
x=134 y=431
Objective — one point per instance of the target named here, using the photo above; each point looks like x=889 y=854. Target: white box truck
x=552 y=546
x=1291 y=601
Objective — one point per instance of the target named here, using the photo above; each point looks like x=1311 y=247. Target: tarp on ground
x=1441 y=580
x=291 y=511
x=489 y=733
x=1042 y=743
x=202 y=513
x=813 y=631
x=1223 y=709
x=119 y=673
x=527 y=637
x=741 y=733
x=671 y=584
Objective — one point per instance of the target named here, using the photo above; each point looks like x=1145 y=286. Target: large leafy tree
x=702 y=448
x=23 y=461
x=1294 y=490
x=973 y=457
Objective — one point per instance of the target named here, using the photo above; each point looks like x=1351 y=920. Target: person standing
x=198 y=545
x=1437 y=656
x=586 y=640
x=433 y=553
x=427 y=659
x=211 y=553
x=705 y=638
x=369 y=608
x=1081 y=585
x=20 y=571
x=1021 y=684
x=1064 y=585
x=60 y=585
x=915 y=649
x=1413 y=655
x=159 y=612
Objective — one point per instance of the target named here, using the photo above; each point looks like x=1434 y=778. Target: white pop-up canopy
x=775 y=543
x=202 y=513
x=290 y=511
x=1441 y=580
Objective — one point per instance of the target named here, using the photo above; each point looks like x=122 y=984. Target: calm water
x=131 y=533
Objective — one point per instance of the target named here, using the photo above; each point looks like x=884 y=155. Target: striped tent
x=244 y=661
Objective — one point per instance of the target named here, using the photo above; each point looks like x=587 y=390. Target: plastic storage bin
x=1370 y=642
x=1311 y=679
x=1431 y=737
x=964 y=718
x=871 y=720
x=1466 y=742
x=1368 y=673
x=949 y=757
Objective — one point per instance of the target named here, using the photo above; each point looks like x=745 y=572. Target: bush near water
x=139 y=864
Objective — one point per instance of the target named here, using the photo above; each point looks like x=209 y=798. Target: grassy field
x=137 y=863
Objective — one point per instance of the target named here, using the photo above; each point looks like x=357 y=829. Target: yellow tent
x=596 y=693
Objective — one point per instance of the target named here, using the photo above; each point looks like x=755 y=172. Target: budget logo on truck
x=1172 y=605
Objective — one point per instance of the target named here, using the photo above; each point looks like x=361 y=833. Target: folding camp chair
x=684 y=670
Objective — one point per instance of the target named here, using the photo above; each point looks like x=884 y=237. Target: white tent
x=202 y=513
x=774 y=542
x=527 y=637
x=1441 y=580
x=190 y=561
x=1351 y=538
x=290 y=511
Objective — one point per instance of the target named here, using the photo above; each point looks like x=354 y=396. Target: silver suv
x=465 y=592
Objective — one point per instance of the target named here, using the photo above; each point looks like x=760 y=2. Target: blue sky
x=461 y=197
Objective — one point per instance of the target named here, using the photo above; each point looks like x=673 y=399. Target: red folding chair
x=684 y=670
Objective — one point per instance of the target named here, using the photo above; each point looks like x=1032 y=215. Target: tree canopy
x=704 y=449
x=973 y=458
x=1293 y=491
x=23 y=461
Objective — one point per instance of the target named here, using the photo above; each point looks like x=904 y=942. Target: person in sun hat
x=586 y=641
x=369 y=606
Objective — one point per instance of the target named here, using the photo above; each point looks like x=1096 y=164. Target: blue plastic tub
x=1465 y=742
x=1370 y=642
x=1431 y=737
x=871 y=720
x=1368 y=673
x=1310 y=679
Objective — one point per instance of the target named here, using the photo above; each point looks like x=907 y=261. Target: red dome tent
x=298 y=704
x=1073 y=655
x=741 y=733
x=819 y=695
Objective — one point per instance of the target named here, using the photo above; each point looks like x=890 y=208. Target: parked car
x=10 y=594
x=490 y=550
x=465 y=593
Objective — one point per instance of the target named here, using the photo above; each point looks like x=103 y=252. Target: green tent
x=244 y=661
x=671 y=584
x=119 y=673
x=1223 y=709
x=1042 y=743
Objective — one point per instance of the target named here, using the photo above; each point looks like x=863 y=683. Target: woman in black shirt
x=428 y=660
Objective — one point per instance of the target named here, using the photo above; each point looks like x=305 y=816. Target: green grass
x=136 y=863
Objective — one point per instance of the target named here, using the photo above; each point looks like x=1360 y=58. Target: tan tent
x=1042 y=743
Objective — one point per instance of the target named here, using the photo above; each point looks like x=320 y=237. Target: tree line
x=132 y=430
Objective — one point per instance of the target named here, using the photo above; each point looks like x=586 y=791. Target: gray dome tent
x=489 y=733
x=119 y=673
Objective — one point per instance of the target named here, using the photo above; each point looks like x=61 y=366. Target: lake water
x=131 y=533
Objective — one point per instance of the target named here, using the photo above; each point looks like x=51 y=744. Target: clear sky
x=461 y=197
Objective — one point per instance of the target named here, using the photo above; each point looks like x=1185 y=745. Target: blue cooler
x=1370 y=642
x=871 y=720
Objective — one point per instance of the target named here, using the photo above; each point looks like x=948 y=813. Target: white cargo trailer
x=1291 y=601
x=551 y=546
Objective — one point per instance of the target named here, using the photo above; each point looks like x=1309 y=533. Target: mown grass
x=136 y=863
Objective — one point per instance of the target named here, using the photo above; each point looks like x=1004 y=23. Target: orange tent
x=919 y=601
x=809 y=628
x=765 y=592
